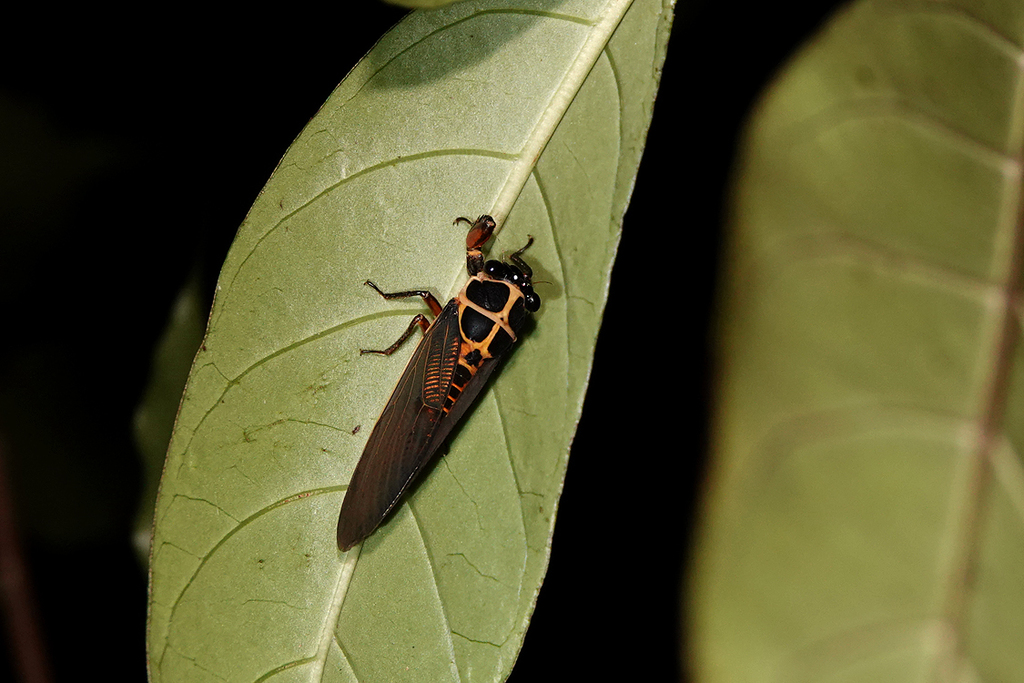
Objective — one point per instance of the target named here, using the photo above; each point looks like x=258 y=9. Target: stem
x=16 y=597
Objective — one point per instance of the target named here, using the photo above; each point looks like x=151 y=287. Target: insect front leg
x=479 y=232
x=515 y=258
x=419 y=321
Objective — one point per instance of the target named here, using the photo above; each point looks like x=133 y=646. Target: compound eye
x=496 y=269
x=515 y=276
x=532 y=302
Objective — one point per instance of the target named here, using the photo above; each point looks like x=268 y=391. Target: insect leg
x=435 y=307
x=420 y=320
x=478 y=235
x=515 y=258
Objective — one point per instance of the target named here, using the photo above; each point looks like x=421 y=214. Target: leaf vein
x=241 y=525
x=437 y=593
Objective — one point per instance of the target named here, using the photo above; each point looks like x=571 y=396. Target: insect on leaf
x=533 y=112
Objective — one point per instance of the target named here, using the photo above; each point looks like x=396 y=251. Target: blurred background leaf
x=865 y=516
x=155 y=415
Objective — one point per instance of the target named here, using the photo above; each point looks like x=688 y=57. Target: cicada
x=460 y=349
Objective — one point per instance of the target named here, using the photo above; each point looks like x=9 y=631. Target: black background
x=106 y=116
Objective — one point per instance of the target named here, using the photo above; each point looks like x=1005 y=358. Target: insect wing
x=469 y=393
x=407 y=433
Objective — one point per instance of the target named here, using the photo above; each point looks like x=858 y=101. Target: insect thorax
x=490 y=313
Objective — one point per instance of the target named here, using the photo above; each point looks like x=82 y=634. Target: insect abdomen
x=463 y=373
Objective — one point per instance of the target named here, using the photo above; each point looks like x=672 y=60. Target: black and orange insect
x=459 y=351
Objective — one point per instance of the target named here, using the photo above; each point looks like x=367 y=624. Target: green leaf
x=865 y=513
x=444 y=117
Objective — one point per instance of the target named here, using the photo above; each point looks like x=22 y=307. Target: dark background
x=103 y=117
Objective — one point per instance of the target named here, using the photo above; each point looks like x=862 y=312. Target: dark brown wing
x=403 y=440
